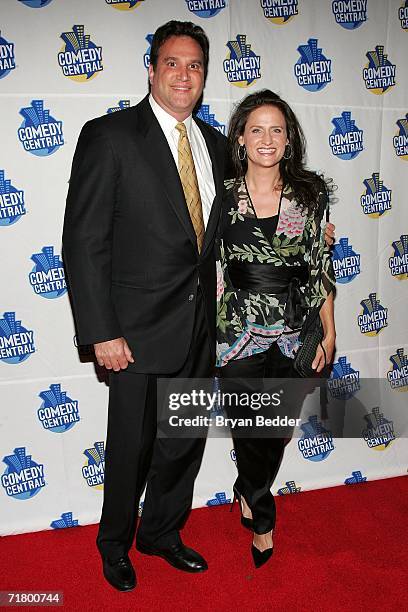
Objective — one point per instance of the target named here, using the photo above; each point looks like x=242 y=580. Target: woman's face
x=265 y=136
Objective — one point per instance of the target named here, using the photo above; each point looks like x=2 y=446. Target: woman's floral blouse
x=248 y=323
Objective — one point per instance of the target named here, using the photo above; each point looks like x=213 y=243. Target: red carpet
x=343 y=548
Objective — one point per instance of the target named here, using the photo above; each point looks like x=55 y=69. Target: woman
x=272 y=247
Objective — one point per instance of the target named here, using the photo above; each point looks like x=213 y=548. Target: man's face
x=178 y=80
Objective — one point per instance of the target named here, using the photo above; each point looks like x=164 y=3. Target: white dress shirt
x=202 y=159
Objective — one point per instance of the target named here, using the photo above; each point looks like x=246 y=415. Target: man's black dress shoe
x=178 y=555
x=120 y=573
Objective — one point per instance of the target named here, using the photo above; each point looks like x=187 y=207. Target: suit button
x=191 y=297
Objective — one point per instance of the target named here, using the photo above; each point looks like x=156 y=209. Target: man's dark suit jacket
x=129 y=246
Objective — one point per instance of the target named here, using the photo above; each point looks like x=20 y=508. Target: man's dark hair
x=179 y=28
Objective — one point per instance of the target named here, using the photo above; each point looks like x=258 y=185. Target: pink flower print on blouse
x=220 y=281
x=243 y=207
x=291 y=220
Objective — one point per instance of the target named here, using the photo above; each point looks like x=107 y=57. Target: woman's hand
x=319 y=361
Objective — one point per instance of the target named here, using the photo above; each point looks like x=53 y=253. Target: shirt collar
x=168 y=122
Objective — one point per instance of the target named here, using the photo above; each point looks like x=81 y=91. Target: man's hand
x=329 y=233
x=113 y=354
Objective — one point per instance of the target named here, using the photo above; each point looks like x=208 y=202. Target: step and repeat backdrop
x=342 y=65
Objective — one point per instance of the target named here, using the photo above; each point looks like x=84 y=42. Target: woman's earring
x=288 y=151
x=242 y=152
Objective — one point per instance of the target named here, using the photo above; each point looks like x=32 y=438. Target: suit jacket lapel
x=159 y=156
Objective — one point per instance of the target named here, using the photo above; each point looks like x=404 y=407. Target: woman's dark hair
x=179 y=28
x=306 y=184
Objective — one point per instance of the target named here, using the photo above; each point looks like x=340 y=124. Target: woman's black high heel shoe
x=245 y=521
x=261 y=557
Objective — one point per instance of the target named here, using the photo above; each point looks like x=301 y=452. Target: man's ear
x=151 y=74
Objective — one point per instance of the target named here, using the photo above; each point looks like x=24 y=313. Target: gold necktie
x=189 y=182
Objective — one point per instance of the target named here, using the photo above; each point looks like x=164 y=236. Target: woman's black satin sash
x=268 y=278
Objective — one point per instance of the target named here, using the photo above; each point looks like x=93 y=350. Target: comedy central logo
x=398 y=263
x=379 y=431
x=355 y=478
x=346 y=262
x=12 y=205
x=313 y=69
x=350 y=14
x=400 y=140
x=403 y=15
x=374 y=317
x=66 y=520
x=397 y=376
x=16 y=341
x=40 y=134
x=94 y=470
x=47 y=278
x=58 y=412
x=7 y=59
x=23 y=478
x=219 y=499
x=316 y=443
x=124 y=5
x=289 y=488
x=36 y=3
x=242 y=65
x=146 y=57
x=205 y=115
x=122 y=104
x=80 y=59
x=279 y=12
x=344 y=381
x=346 y=140
x=206 y=8
x=379 y=73
x=376 y=200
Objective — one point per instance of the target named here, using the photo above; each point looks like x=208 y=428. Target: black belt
x=268 y=278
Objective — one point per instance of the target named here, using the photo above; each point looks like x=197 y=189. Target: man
x=142 y=210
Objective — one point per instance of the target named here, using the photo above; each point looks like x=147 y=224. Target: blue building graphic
x=398 y=263
x=65 y=521
x=23 y=478
x=94 y=471
x=398 y=375
x=346 y=140
x=16 y=341
x=122 y=104
x=374 y=317
x=377 y=198
x=47 y=278
x=400 y=140
x=346 y=262
x=146 y=57
x=219 y=499
x=12 y=204
x=316 y=443
x=206 y=115
x=243 y=66
x=355 y=478
x=289 y=488
x=379 y=73
x=344 y=381
x=40 y=134
x=379 y=431
x=81 y=59
x=313 y=69
x=58 y=412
